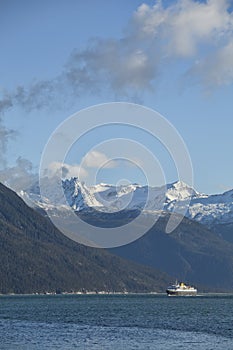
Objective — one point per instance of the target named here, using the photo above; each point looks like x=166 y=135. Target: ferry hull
x=181 y=293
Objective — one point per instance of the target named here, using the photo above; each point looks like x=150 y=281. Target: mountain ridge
x=36 y=257
x=209 y=210
x=191 y=253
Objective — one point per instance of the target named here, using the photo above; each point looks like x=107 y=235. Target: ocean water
x=98 y=322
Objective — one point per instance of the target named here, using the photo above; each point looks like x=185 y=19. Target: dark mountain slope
x=191 y=253
x=36 y=257
x=224 y=230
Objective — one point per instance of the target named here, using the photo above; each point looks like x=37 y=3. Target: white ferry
x=181 y=289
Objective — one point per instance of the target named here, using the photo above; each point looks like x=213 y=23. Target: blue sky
x=176 y=57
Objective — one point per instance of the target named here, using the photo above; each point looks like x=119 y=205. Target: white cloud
x=68 y=171
x=198 y=32
x=20 y=176
x=184 y=26
x=93 y=159
x=157 y=37
x=96 y=159
x=215 y=70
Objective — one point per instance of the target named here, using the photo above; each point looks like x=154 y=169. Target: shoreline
x=103 y=293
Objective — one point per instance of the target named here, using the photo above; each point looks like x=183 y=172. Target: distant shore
x=110 y=293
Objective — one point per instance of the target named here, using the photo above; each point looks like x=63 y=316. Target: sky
x=60 y=57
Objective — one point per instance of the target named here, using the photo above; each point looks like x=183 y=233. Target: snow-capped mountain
x=212 y=209
x=207 y=209
x=126 y=197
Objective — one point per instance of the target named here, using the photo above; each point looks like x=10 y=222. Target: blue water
x=116 y=322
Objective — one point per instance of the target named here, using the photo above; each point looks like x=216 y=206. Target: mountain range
x=210 y=210
x=36 y=257
x=200 y=250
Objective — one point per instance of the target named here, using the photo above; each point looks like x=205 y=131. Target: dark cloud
x=5 y=103
x=5 y=135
